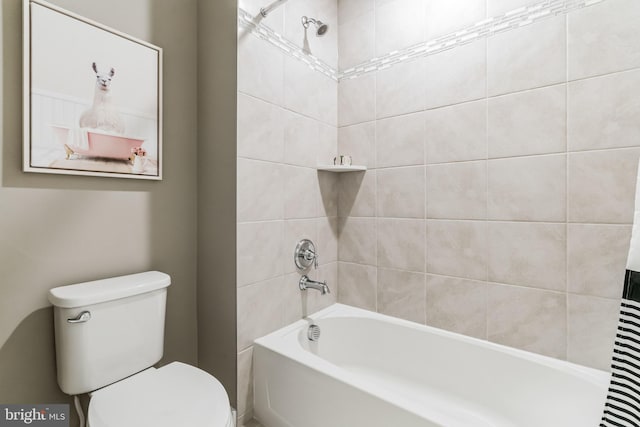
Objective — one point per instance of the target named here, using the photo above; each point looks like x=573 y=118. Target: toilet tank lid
x=98 y=291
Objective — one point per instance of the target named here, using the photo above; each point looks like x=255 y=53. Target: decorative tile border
x=514 y=19
x=511 y=20
x=253 y=24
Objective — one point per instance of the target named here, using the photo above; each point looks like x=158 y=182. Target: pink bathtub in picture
x=96 y=143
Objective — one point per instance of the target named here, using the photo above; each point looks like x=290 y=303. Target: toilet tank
x=122 y=334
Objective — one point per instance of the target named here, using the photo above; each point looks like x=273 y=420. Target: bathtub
x=371 y=370
x=98 y=143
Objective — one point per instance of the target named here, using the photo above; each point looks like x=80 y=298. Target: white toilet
x=109 y=334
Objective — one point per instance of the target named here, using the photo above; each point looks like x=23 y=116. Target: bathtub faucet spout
x=306 y=283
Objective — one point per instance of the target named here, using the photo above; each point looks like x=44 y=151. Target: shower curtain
x=622 y=407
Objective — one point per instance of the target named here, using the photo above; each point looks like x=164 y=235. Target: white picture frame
x=92 y=97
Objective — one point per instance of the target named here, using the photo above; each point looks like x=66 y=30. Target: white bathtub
x=371 y=370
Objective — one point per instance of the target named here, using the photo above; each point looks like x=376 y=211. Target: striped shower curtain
x=622 y=407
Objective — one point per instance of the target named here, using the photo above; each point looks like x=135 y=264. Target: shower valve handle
x=310 y=255
x=305 y=255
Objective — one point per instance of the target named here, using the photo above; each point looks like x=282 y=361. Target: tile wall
x=287 y=124
x=499 y=196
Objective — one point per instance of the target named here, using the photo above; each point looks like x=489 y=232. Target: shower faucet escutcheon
x=305 y=255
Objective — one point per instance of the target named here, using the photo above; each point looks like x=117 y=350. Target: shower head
x=321 y=27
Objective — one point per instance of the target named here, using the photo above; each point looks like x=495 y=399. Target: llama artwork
x=93 y=97
x=102 y=114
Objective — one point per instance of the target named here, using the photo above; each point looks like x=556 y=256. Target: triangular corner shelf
x=341 y=168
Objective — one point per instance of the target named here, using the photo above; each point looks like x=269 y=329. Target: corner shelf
x=341 y=168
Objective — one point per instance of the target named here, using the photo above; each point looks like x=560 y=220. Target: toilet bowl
x=174 y=395
x=109 y=334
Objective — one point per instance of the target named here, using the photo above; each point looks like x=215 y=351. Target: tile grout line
x=461 y=103
x=566 y=184
x=286 y=109
x=375 y=150
x=457 y=162
x=486 y=93
x=484 y=282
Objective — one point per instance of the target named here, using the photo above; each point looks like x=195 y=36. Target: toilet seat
x=174 y=395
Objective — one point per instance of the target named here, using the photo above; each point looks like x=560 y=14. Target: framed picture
x=92 y=97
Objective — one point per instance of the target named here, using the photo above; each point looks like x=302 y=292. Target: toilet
x=109 y=333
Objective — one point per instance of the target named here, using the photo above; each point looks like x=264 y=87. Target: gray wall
x=217 y=190
x=57 y=230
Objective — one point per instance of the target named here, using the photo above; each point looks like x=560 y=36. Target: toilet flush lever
x=85 y=316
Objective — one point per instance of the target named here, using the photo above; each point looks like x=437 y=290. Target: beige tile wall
x=287 y=125
x=499 y=194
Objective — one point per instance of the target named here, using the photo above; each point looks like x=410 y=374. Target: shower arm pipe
x=306 y=21
x=264 y=11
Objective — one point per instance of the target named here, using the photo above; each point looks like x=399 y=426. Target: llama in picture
x=102 y=114
x=101 y=127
